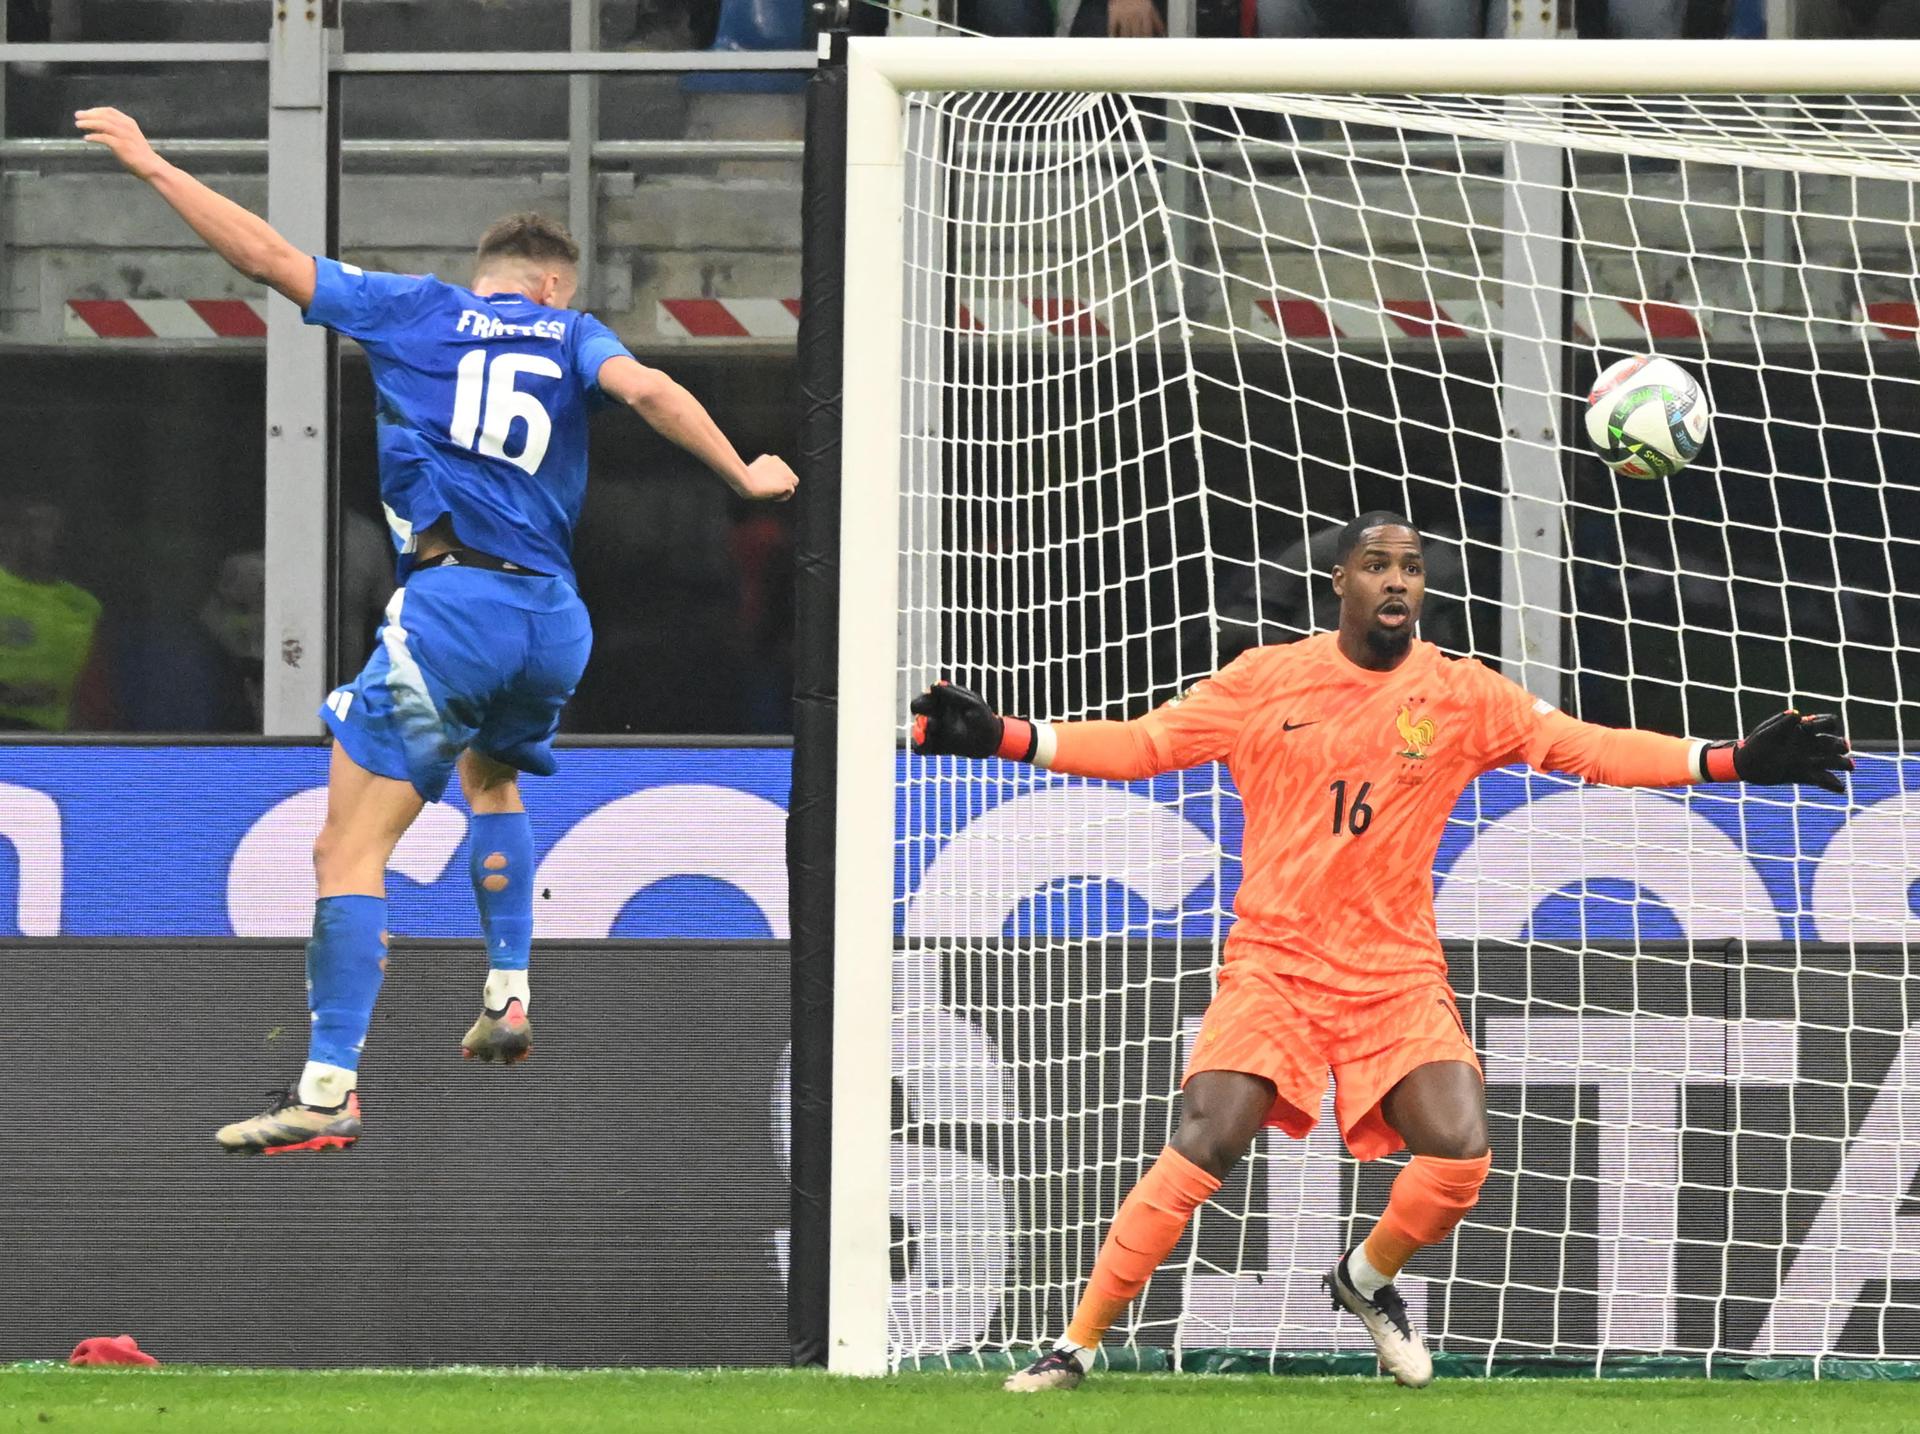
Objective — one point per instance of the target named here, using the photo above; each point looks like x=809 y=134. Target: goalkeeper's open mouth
x=1394 y=612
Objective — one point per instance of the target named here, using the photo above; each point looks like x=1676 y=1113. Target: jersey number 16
x=1355 y=817
x=504 y=403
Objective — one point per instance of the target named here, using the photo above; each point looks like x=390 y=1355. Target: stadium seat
x=756 y=25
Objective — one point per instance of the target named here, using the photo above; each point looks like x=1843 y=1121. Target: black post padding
x=816 y=696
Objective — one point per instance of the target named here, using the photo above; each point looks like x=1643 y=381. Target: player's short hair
x=530 y=237
x=1350 y=536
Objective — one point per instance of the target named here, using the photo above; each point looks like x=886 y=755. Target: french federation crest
x=1418 y=735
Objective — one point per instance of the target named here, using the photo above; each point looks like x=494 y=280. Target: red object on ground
x=110 y=1349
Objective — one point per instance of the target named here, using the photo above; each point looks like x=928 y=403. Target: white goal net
x=1158 y=346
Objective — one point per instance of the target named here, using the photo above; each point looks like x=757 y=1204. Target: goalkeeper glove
x=1787 y=747
x=950 y=721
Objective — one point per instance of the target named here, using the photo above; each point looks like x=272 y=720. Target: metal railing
x=680 y=151
x=305 y=62
x=30 y=152
x=154 y=52
x=413 y=62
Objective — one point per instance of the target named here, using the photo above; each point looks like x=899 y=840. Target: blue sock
x=345 y=962
x=500 y=861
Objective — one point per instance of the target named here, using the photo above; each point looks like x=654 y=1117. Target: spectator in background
x=657 y=558
x=35 y=20
x=235 y=617
x=1856 y=19
x=49 y=667
x=703 y=17
x=28 y=21
x=1005 y=17
x=1461 y=19
x=196 y=667
x=1423 y=19
x=363 y=583
x=1121 y=19
x=1143 y=19
x=762 y=547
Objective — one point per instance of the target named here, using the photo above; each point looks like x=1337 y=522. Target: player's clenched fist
x=118 y=132
x=950 y=721
x=770 y=479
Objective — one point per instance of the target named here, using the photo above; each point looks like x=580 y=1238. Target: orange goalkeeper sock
x=1430 y=1196
x=1142 y=1235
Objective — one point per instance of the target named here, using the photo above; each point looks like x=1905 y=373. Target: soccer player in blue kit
x=484 y=394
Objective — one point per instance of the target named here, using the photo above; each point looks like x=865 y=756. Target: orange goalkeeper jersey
x=1347 y=777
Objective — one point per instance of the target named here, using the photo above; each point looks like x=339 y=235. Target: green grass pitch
x=202 y=1401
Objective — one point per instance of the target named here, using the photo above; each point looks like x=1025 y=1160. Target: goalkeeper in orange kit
x=1350 y=750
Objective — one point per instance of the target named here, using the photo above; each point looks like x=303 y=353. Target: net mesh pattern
x=1158 y=349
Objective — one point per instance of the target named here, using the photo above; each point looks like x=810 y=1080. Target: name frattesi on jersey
x=486 y=326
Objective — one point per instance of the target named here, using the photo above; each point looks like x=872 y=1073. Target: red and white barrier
x=780 y=318
x=1389 y=321
x=727 y=318
x=1397 y=320
x=166 y=319
x=1893 y=320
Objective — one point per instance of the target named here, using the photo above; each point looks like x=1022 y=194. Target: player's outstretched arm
x=950 y=721
x=677 y=415
x=236 y=234
x=1788 y=748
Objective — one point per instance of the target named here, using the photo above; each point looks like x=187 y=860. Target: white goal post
x=1120 y=269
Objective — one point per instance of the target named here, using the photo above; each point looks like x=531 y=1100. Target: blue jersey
x=482 y=408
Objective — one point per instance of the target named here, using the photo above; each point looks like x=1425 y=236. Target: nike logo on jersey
x=1296 y=726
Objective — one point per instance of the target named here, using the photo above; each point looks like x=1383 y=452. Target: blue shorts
x=467 y=657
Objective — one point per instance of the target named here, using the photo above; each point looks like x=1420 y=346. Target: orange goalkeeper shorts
x=1292 y=1033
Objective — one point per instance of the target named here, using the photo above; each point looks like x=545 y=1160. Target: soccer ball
x=1647 y=417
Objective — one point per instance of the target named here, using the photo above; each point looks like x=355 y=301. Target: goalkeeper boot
x=287 y=1126
x=1402 y=1352
x=1058 y=1368
x=505 y=1035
